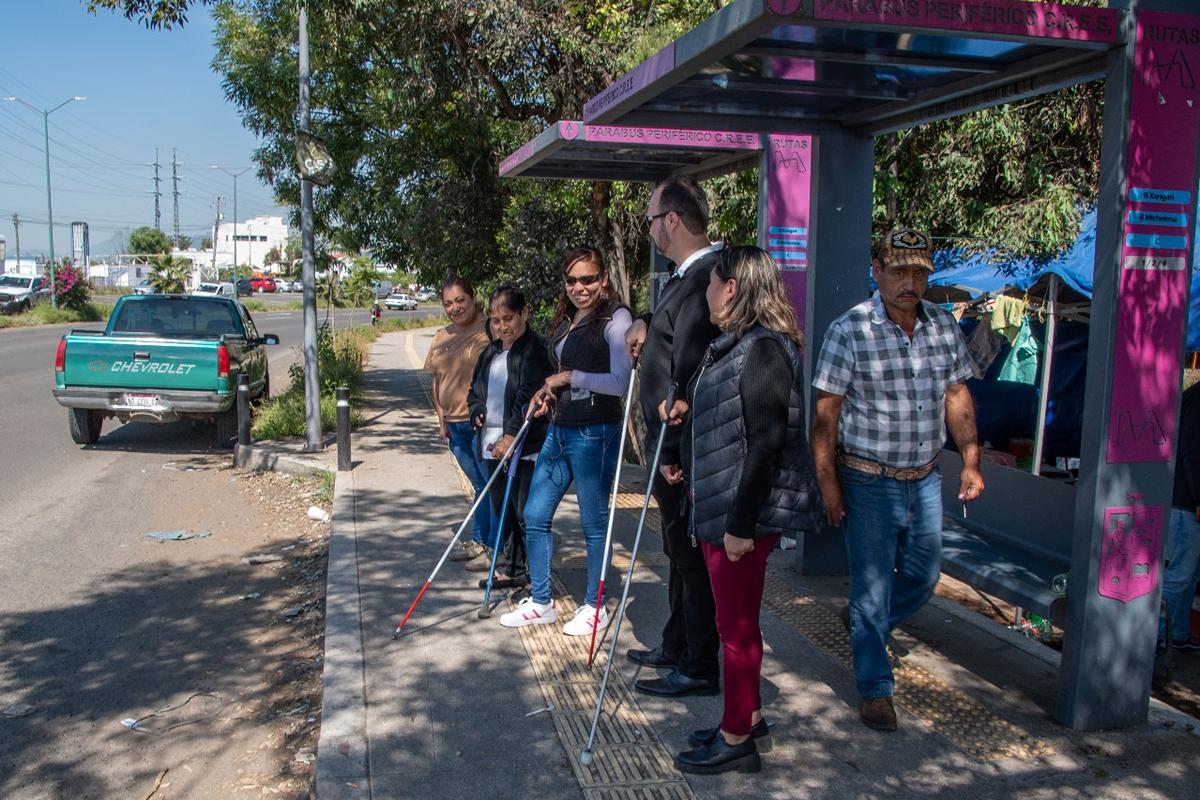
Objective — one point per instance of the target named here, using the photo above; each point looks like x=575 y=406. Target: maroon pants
x=737 y=588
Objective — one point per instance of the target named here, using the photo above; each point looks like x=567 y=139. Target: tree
x=170 y=275
x=149 y=241
x=206 y=243
x=183 y=242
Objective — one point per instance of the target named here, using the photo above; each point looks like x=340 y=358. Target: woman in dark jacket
x=509 y=372
x=752 y=480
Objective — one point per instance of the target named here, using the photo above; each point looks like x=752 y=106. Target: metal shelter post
x=1142 y=270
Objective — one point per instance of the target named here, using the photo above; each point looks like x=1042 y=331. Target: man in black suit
x=671 y=343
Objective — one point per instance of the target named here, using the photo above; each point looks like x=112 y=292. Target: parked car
x=162 y=358
x=382 y=288
x=144 y=287
x=263 y=283
x=286 y=285
x=223 y=289
x=400 y=302
x=425 y=295
x=22 y=292
x=243 y=287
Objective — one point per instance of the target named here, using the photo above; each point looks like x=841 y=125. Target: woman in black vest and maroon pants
x=592 y=370
x=748 y=464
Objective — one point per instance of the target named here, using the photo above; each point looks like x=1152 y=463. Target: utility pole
x=216 y=226
x=16 y=220
x=157 y=195
x=175 y=193
x=312 y=387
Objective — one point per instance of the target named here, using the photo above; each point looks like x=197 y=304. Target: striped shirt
x=894 y=388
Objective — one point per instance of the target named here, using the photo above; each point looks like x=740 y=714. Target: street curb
x=267 y=458
x=343 y=769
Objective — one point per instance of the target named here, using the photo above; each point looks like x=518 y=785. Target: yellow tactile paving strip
x=979 y=732
x=630 y=762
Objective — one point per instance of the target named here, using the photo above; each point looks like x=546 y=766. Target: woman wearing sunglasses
x=592 y=370
x=752 y=479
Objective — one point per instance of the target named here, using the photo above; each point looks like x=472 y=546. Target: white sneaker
x=530 y=613
x=581 y=625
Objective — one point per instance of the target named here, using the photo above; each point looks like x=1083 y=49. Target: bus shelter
x=826 y=77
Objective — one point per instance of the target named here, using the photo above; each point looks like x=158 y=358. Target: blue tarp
x=979 y=274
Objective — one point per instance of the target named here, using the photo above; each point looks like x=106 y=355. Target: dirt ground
x=291 y=649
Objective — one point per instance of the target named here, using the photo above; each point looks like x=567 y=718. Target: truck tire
x=226 y=427
x=85 y=425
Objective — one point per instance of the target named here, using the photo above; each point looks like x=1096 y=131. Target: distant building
x=255 y=238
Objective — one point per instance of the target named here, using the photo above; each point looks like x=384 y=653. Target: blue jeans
x=1182 y=553
x=894 y=546
x=463 y=446
x=586 y=454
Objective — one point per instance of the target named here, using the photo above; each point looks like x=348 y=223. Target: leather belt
x=869 y=467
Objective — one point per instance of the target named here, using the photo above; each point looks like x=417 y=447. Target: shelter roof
x=570 y=149
x=872 y=65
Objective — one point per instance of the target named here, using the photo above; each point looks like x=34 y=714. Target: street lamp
x=233 y=175
x=49 y=205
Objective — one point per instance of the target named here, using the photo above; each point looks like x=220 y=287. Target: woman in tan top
x=451 y=362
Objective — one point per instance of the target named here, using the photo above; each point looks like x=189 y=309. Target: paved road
x=93 y=624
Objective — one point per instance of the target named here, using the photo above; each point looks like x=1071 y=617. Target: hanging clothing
x=1008 y=314
x=1021 y=366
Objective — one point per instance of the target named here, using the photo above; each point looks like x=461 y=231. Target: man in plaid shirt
x=890 y=380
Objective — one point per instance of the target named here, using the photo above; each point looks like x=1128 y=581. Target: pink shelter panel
x=1156 y=246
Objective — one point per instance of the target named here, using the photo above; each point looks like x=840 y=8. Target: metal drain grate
x=971 y=726
x=630 y=762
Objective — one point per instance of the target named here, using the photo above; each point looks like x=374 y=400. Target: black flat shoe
x=652 y=658
x=760 y=733
x=505 y=583
x=720 y=756
x=676 y=684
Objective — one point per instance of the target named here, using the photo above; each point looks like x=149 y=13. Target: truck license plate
x=141 y=400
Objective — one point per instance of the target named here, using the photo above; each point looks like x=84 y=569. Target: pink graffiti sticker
x=568 y=129
x=1130 y=552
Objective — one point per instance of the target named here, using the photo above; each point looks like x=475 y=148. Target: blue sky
x=144 y=89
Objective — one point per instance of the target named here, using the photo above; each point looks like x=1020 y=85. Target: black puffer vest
x=718 y=439
x=585 y=350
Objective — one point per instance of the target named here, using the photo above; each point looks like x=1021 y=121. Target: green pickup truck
x=162 y=358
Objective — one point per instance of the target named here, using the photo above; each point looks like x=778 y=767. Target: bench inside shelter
x=1015 y=539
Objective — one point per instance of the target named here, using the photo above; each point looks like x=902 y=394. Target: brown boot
x=879 y=714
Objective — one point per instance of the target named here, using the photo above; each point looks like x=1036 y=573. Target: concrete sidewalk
x=455 y=708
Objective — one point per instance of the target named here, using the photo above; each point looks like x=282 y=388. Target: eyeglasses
x=651 y=217
x=586 y=280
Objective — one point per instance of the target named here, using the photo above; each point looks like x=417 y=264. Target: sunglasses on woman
x=586 y=280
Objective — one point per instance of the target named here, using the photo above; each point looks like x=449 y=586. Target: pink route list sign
x=1156 y=242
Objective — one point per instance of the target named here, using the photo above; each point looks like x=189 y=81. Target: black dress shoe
x=720 y=756
x=676 y=684
x=652 y=658
x=760 y=733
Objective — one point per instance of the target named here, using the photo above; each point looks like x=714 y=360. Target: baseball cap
x=906 y=247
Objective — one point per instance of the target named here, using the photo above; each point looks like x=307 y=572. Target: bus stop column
x=815 y=219
x=1143 y=252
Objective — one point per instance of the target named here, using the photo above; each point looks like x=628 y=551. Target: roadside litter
x=18 y=710
x=177 y=536
x=264 y=559
x=138 y=723
x=318 y=513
